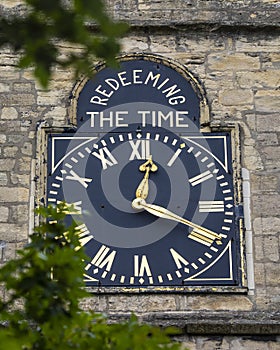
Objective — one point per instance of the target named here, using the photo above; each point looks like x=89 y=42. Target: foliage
x=44 y=288
x=81 y=23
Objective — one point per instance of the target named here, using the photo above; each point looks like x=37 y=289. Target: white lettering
x=152 y=77
x=75 y=177
x=106 y=119
x=165 y=117
x=103 y=92
x=92 y=115
x=136 y=76
x=99 y=101
x=113 y=83
x=120 y=119
x=144 y=152
x=141 y=268
x=180 y=119
x=104 y=161
x=171 y=91
x=143 y=117
x=175 y=100
x=123 y=79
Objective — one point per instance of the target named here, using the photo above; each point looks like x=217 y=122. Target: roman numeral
x=178 y=259
x=75 y=177
x=84 y=236
x=211 y=206
x=200 y=178
x=106 y=157
x=77 y=206
x=104 y=258
x=204 y=236
x=142 y=267
x=140 y=149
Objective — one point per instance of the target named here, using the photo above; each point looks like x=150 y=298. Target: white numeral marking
x=104 y=258
x=174 y=157
x=76 y=205
x=140 y=149
x=110 y=160
x=82 y=180
x=211 y=206
x=84 y=236
x=178 y=259
x=141 y=268
x=200 y=178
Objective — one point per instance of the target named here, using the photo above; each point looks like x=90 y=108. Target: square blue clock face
x=155 y=196
x=157 y=208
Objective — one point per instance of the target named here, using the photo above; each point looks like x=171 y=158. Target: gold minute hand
x=143 y=188
x=199 y=233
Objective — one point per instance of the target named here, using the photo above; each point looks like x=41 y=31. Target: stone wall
x=232 y=47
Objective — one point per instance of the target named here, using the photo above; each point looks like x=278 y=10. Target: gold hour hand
x=199 y=233
x=143 y=188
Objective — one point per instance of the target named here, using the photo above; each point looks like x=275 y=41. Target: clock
x=157 y=207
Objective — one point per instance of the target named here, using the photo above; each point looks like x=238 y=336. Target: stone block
x=232 y=62
x=266 y=225
x=252 y=158
x=236 y=97
x=259 y=273
x=19 y=213
x=268 y=123
x=267 y=43
x=7 y=164
x=271 y=248
x=10 y=151
x=24 y=164
x=96 y=303
x=259 y=249
x=259 y=79
x=220 y=302
x=267 y=101
x=162 y=43
x=272 y=274
x=265 y=204
x=267 y=139
x=14 y=194
x=13 y=232
x=18 y=99
x=9 y=113
x=264 y=183
x=27 y=148
x=4 y=87
x=20 y=179
x=3 y=138
x=22 y=87
x=4 y=214
x=3 y=179
x=141 y=303
x=135 y=44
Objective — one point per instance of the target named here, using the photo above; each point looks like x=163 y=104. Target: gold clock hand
x=143 y=188
x=199 y=233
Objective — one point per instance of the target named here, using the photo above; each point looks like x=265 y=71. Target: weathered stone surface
x=266 y=225
x=268 y=123
x=267 y=101
x=4 y=214
x=13 y=194
x=235 y=97
x=7 y=164
x=219 y=302
x=236 y=62
x=259 y=79
x=13 y=232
